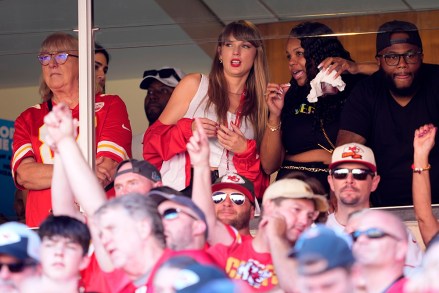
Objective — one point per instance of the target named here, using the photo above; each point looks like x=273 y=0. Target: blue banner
x=7 y=187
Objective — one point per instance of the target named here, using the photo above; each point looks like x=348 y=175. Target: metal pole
x=86 y=137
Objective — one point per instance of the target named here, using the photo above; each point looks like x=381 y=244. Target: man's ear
x=402 y=251
x=331 y=182
x=199 y=227
x=268 y=207
x=144 y=228
x=85 y=261
x=375 y=181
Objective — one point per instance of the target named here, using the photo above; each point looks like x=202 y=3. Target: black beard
x=402 y=92
x=151 y=116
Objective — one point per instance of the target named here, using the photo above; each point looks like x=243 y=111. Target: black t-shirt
x=301 y=130
x=389 y=129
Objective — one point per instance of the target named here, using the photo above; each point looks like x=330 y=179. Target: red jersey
x=113 y=140
x=241 y=261
x=95 y=280
x=397 y=287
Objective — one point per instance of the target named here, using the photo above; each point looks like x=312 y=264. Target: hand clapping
x=60 y=125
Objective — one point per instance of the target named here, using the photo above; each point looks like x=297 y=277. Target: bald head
x=380 y=241
x=386 y=221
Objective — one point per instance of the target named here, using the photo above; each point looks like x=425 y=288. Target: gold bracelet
x=274 y=128
x=419 y=170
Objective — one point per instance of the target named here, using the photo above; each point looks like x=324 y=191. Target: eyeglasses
x=17 y=267
x=236 y=197
x=163 y=73
x=172 y=213
x=60 y=58
x=393 y=59
x=358 y=174
x=372 y=233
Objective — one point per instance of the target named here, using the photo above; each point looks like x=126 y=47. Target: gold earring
x=221 y=60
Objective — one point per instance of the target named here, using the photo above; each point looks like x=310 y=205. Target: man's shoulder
x=430 y=71
x=109 y=99
x=429 y=66
x=370 y=86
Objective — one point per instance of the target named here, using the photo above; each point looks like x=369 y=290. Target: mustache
x=349 y=187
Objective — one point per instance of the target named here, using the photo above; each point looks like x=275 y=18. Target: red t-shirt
x=398 y=287
x=241 y=261
x=95 y=280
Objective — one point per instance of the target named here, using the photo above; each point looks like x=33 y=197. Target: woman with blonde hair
x=32 y=162
x=230 y=104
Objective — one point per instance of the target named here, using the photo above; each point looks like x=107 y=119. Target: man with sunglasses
x=385 y=109
x=289 y=207
x=352 y=177
x=160 y=85
x=184 y=224
x=380 y=247
x=235 y=202
x=19 y=256
x=131 y=231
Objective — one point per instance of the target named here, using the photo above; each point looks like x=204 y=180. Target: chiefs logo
x=233 y=178
x=9 y=237
x=99 y=106
x=253 y=272
x=354 y=152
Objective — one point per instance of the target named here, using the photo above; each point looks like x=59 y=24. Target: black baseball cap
x=141 y=167
x=386 y=30
x=167 y=194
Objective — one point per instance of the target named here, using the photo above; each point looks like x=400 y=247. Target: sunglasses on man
x=17 y=267
x=173 y=213
x=162 y=73
x=357 y=173
x=236 y=197
x=372 y=233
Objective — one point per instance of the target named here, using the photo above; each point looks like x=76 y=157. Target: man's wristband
x=419 y=170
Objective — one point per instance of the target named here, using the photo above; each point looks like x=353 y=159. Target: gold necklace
x=327 y=139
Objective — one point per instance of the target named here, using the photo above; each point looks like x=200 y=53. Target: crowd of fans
x=199 y=213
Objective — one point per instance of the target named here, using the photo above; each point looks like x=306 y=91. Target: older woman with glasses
x=231 y=107
x=32 y=162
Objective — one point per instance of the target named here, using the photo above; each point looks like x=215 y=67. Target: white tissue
x=316 y=87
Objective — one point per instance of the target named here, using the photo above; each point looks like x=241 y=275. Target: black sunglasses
x=358 y=174
x=172 y=213
x=236 y=197
x=371 y=233
x=162 y=73
x=17 y=267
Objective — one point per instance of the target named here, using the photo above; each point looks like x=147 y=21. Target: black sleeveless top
x=301 y=128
